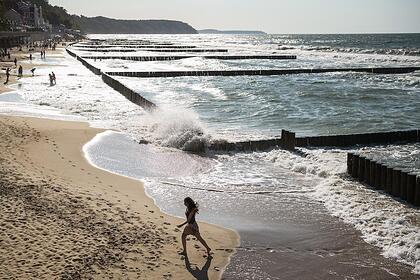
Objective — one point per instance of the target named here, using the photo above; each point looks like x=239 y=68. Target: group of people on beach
x=5 y=56
x=8 y=69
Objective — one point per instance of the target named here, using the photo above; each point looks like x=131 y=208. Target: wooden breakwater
x=286 y=141
x=71 y=53
x=128 y=93
x=178 y=57
x=289 y=141
x=136 y=46
x=380 y=70
x=89 y=66
x=396 y=182
x=159 y=50
x=391 y=137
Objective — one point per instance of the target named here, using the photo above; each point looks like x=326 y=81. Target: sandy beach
x=63 y=218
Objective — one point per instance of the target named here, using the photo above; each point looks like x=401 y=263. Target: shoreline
x=325 y=243
x=61 y=157
x=27 y=64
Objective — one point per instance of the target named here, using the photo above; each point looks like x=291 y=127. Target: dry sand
x=60 y=217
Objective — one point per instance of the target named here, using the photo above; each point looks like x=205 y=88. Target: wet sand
x=60 y=217
x=311 y=245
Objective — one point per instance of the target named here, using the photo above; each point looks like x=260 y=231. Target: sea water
x=253 y=191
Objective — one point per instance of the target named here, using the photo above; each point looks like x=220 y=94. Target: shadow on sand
x=199 y=274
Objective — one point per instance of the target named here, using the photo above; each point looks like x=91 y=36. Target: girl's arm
x=181 y=225
x=190 y=216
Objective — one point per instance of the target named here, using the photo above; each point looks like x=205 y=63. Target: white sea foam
x=383 y=221
x=178 y=128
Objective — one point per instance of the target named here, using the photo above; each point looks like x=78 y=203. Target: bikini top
x=187 y=213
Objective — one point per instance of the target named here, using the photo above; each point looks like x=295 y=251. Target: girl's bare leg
x=199 y=238
x=185 y=233
x=184 y=243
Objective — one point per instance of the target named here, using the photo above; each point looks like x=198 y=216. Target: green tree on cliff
x=3 y=24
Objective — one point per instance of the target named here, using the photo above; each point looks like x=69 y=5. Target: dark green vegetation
x=3 y=25
x=102 y=25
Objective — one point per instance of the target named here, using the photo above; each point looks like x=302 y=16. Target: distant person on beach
x=30 y=57
x=15 y=61
x=20 y=71
x=7 y=76
x=53 y=80
x=191 y=226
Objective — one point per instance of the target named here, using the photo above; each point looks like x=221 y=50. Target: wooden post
x=417 y=192
x=288 y=140
x=283 y=138
x=292 y=140
x=349 y=163
x=367 y=171
x=361 y=171
x=384 y=174
x=396 y=182
x=389 y=180
x=355 y=166
x=403 y=185
x=411 y=186
x=378 y=168
x=372 y=173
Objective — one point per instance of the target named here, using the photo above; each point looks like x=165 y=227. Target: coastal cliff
x=103 y=25
x=58 y=16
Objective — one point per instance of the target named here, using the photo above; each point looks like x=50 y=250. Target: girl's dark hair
x=190 y=203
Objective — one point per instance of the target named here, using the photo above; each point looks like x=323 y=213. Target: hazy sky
x=272 y=16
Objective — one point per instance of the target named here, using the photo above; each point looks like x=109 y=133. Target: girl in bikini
x=192 y=226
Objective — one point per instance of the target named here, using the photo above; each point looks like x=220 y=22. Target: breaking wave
x=178 y=128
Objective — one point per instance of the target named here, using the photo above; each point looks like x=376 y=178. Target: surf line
x=235 y=192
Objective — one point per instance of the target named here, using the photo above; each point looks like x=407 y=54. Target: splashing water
x=179 y=128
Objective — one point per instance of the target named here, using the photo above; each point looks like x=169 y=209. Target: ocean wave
x=178 y=128
x=383 y=51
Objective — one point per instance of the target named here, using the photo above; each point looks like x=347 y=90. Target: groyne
x=394 y=181
x=289 y=141
x=89 y=66
x=178 y=57
x=128 y=93
x=159 y=50
x=379 y=70
x=347 y=140
x=135 y=46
